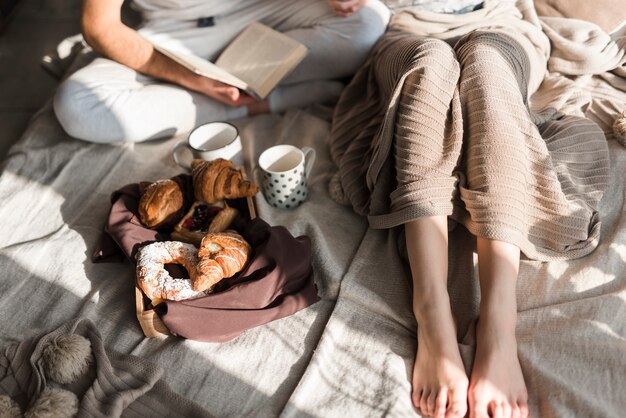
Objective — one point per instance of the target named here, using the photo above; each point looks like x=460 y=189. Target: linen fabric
x=607 y=14
x=116 y=385
x=351 y=353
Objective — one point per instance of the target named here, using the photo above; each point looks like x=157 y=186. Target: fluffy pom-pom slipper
x=67 y=357
x=8 y=408
x=54 y=403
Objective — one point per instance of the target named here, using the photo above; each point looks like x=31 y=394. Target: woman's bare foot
x=439 y=379
x=497 y=387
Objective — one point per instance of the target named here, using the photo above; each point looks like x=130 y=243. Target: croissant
x=221 y=255
x=161 y=204
x=219 y=179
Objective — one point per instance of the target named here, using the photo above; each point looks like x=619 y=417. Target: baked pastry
x=154 y=279
x=221 y=255
x=161 y=204
x=203 y=218
x=218 y=180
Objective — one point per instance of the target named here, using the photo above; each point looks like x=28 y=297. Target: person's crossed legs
x=108 y=102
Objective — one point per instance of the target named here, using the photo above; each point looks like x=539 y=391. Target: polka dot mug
x=284 y=170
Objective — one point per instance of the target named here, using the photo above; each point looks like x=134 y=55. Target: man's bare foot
x=497 y=387
x=260 y=107
x=439 y=379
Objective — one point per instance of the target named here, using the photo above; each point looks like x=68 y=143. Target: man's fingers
x=223 y=93
x=244 y=100
x=230 y=95
x=226 y=91
x=345 y=7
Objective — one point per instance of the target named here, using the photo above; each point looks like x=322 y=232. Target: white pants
x=108 y=102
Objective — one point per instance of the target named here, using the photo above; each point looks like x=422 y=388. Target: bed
x=349 y=354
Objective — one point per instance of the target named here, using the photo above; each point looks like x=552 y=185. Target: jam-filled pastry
x=203 y=218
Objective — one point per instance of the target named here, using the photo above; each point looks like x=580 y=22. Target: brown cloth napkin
x=277 y=282
x=123 y=232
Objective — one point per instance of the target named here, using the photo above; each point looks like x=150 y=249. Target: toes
x=478 y=409
x=423 y=403
x=440 y=403
x=430 y=403
x=506 y=409
x=496 y=409
x=454 y=413
x=479 y=414
x=457 y=404
x=523 y=409
x=515 y=411
x=416 y=396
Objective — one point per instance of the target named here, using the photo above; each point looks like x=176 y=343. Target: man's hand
x=345 y=8
x=105 y=33
x=224 y=93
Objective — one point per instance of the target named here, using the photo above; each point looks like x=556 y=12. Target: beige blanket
x=467 y=132
x=350 y=354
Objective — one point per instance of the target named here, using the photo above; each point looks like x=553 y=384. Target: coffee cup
x=210 y=141
x=284 y=173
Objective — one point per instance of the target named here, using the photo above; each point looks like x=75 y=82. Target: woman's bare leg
x=439 y=379
x=497 y=387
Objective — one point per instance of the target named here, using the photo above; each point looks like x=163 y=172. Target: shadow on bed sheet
x=32 y=305
x=62 y=187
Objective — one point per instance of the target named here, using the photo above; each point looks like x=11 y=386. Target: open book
x=255 y=61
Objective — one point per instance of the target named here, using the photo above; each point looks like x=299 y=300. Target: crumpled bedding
x=110 y=384
x=351 y=353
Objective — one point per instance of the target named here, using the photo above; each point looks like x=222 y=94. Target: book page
x=261 y=57
x=203 y=67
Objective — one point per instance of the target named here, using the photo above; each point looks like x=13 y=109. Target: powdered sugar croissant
x=219 y=179
x=221 y=255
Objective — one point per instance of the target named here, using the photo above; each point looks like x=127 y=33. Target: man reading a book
x=133 y=92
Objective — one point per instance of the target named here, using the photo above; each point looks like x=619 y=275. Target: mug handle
x=257 y=177
x=176 y=155
x=309 y=160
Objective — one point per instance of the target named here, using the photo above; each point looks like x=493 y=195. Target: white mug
x=211 y=141
x=285 y=170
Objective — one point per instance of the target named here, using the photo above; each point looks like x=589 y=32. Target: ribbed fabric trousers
x=465 y=144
